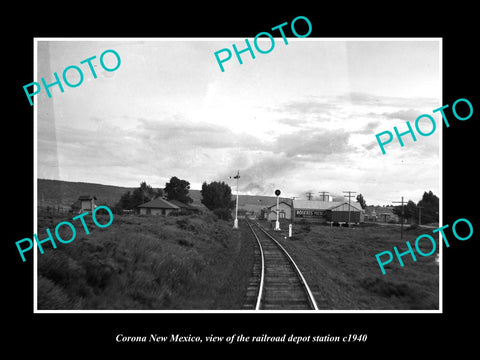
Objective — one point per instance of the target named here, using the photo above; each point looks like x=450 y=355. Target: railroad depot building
x=185 y=208
x=284 y=211
x=160 y=206
x=157 y=206
x=327 y=211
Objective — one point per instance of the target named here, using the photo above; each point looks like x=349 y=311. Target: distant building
x=331 y=211
x=157 y=206
x=84 y=203
x=381 y=214
x=284 y=211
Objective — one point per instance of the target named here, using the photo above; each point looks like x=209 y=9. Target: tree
x=409 y=210
x=177 y=189
x=361 y=200
x=430 y=207
x=217 y=196
x=140 y=195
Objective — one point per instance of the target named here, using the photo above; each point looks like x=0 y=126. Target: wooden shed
x=87 y=203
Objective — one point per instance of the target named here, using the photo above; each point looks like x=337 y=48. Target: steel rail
x=310 y=296
x=262 y=273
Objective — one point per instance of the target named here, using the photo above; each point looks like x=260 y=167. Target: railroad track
x=277 y=282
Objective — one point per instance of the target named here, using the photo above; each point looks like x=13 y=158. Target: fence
x=56 y=209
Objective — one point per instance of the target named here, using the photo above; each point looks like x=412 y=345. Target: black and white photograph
x=231 y=179
x=260 y=187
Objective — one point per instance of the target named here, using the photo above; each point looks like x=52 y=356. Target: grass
x=144 y=263
x=197 y=262
x=340 y=267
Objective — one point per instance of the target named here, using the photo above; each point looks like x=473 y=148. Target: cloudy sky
x=301 y=118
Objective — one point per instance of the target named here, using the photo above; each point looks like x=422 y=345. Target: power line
x=323 y=195
x=309 y=195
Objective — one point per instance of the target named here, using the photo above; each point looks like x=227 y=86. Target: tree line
x=216 y=196
x=425 y=211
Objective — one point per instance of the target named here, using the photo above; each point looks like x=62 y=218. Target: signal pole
x=235 y=222
x=349 y=196
x=401 y=224
x=277 y=223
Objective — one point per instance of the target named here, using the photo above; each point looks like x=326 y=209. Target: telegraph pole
x=401 y=224
x=235 y=222
x=309 y=195
x=323 y=195
x=349 y=196
x=419 y=214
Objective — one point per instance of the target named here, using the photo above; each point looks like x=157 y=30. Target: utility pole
x=419 y=214
x=349 y=196
x=235 y=222
x=323 y=195
x=401 y=223
x=309 y=195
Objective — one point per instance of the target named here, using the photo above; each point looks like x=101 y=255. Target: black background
x=388 y=334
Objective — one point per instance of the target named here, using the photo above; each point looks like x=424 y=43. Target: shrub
x=413 y=227
x=184 y=242
x=223 y=213
x=51 y=296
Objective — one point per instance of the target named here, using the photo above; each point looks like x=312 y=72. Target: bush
x=51 y=296
x=184 y=242
x=385 y=288
x=413 y=227
x=223 y=213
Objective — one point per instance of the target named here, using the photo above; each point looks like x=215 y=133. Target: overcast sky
x=301 y=118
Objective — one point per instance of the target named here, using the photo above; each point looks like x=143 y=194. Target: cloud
x=407 y=115
x=368 y=129
x=367 y=99
x=361 y=98
x=307 y=107
x=307 y=143
x=182 y=133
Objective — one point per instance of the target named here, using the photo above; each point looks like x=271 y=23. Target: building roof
x=322 y=205
x=182 y=205
x=281 y=202
x=354 y=205
x=159 y=203
x=86 y=197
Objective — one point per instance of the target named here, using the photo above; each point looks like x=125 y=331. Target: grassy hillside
x=159 y=263
x=65 y=193
x=56 y=192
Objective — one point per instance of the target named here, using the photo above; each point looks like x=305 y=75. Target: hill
x=65 y=193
